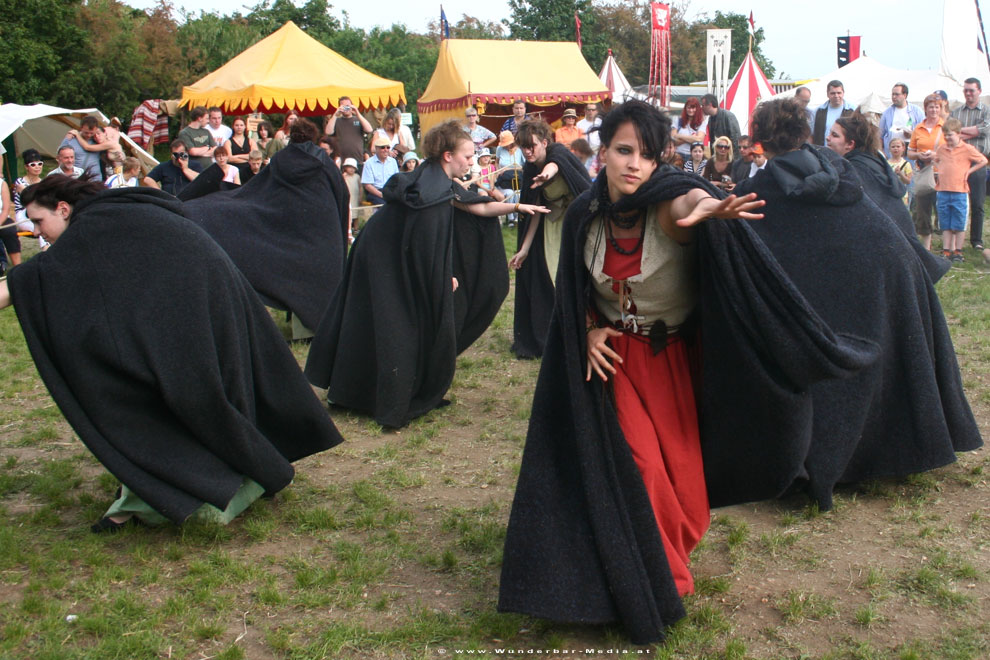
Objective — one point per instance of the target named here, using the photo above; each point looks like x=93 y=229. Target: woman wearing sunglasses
x=33 y=165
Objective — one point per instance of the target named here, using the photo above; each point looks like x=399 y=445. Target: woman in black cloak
x=611 y=495
x=819 y=367
x=857 y=139
x=552 y=176
x=171 y=372
x=388 y=343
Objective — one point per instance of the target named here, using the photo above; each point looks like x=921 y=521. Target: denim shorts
x=953 y=210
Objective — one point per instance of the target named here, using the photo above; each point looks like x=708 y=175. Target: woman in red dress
x=611 y=497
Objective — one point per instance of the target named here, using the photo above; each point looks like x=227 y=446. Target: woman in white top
x=689 y=128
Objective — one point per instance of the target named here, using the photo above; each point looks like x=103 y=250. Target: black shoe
x=107 y=526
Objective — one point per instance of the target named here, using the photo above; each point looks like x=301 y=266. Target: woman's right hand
x=599 y=352
x=516 y=262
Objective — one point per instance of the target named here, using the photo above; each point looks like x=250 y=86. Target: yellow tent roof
x=471 y=71
x=290 y=69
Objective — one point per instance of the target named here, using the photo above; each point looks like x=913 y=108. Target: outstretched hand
x=549 y=171
x=532 y=209
x=730 y=207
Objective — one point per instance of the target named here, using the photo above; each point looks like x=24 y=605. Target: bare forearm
x=4 y=295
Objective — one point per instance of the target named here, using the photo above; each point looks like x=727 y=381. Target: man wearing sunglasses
x=377 y=170
x=174 y=174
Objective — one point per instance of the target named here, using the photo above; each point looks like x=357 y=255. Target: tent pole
x=983 y=33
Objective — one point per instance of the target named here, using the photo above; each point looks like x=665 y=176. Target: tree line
x=107 y=54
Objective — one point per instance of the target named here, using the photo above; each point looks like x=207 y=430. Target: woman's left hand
x=455 y=283
x=730 y=207
x=549 y=171
x=532 y=209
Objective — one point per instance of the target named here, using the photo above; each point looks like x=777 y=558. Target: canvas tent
x=43 y=127
x=474 y=72
x=747 y=89
x=865 y=75
x=613 y=78
x=288 y=69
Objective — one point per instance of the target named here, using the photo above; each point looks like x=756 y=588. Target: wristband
x=516 y=210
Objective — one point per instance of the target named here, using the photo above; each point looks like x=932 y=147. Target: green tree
x=553 y=20
x=209 y=41
x=41 y=40
x=313 y=17
x=625 y=28
x=166 y=68
x=470 y=27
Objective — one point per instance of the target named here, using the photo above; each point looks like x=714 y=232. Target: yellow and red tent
x=479 y=72
x=290 y=69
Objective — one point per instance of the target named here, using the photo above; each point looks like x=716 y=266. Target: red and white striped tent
x=613 y=77
x=747 y=89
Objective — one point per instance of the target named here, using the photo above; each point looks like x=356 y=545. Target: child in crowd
x=353 y=181
x=486 y=181
x=409 y=161
x=128 y=175
x=955 y=161
x=582 y=149
x=900 y=165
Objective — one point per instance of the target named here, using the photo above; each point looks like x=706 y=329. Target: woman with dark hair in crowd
x=33 y=164
x=611 y=495
x=412 y=298
x=230 y=173
x=856 y=139
x=266 y=139
x=690 y=127
x=240 y=146
x=552 y=176
x=198 y=436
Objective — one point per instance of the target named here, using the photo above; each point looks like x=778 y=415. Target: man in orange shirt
x=955 y=161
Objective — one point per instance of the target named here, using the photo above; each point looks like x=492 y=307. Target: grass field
x=389 y=546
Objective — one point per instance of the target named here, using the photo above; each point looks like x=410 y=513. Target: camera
x=181 y=156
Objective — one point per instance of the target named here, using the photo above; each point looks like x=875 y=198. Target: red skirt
x=654 y=396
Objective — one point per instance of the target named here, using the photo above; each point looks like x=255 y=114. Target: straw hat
x=570 y=112
x=505 y=138
x=381 y=141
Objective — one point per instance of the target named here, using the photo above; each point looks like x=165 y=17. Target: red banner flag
x=577 y=28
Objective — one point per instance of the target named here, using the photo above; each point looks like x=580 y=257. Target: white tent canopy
x=43 y=127
x=613 y=77
x=864 y=76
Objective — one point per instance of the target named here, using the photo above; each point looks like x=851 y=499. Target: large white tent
x=43 y=127
x=747 y=89
x=865 y=75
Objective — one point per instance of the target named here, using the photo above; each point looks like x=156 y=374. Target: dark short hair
x=303 y=131
x=60 y=188
x=215 y=109
x=709 y=99
x=904 y=88
x=744 y=137
x=341 y=100
x=533 y=130
x=780 y=125
x=974 y=81
x=802 y=88
x=861 y=131
x=197 y=113
x=89 y=121
x=64 y=147
x=652 y=126
x=835 y=83
x=31 y=156
x=177 y=143
x=443 y=138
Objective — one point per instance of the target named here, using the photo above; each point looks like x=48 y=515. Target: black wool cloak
x=480 y=267
x=883 y=188
x=169 y=369
x=209 y=181
x=534 y=288
x=763 y=431
x=286 y=229
x=582 y=545
x=387 y=345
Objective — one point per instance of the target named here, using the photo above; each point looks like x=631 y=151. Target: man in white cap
x=377 y=170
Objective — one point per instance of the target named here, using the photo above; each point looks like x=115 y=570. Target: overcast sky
x=799 y=45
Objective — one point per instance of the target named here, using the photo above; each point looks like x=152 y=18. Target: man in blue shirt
x=377 y=170
x=88 y=160
x=829 y=111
